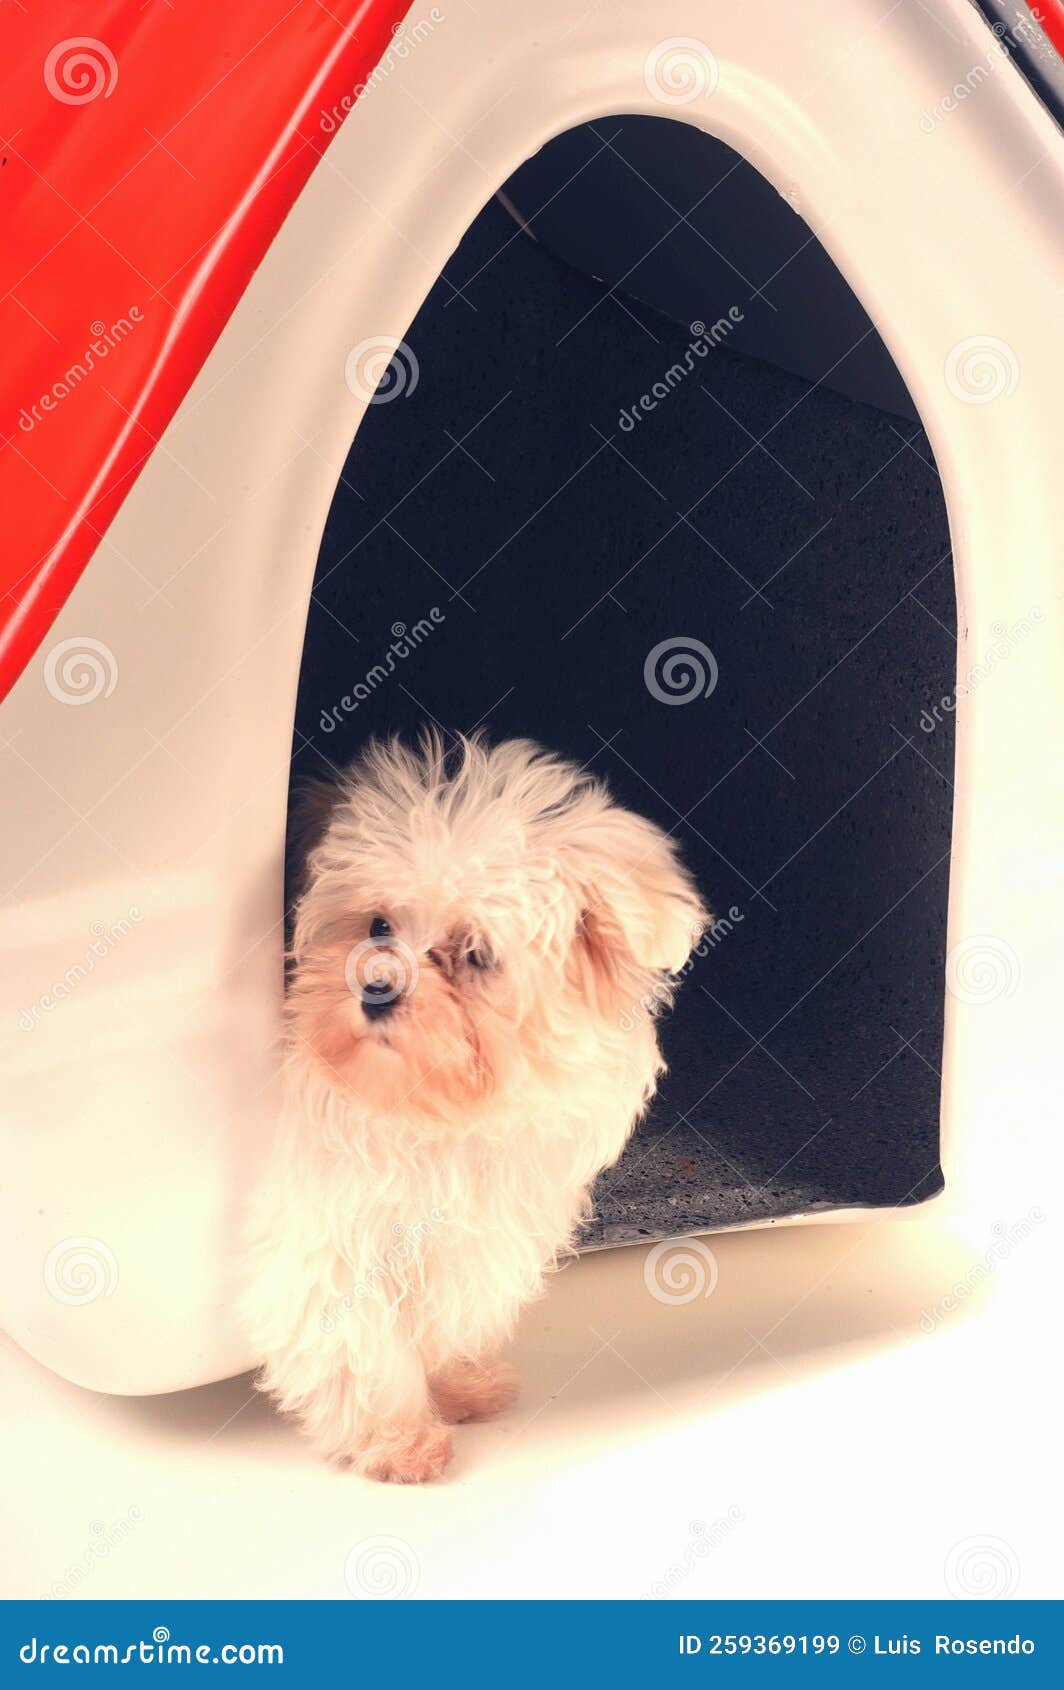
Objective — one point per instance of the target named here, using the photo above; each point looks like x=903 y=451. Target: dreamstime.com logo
x=997 y=58
x=1007 y=1239
x=104 y=1539
x=80 y=69
x=105 y=937
x=679 y=70
x=982 y=1567
x=380 y=369
x=160 y=1649
x=387 y=1274
x=404 y=641
x=661 y=994
x=701 y=344
x=104 y=341
x=981 y=369
x=405 y=37
x=701 y=1543
x=379 y=971
x=1005 y=641
x=679 y=670
x=982 y=969
x=80 y=670
x=680 y=1271
x=80 y=1270
x=382 y=1567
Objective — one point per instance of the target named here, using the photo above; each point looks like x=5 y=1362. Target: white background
x=795 y=1435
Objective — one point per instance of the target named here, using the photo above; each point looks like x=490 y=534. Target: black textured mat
x=802 y=538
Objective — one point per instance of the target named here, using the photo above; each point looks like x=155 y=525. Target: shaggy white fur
x=472 y=931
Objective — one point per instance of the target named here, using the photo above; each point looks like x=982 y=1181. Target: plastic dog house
x=161 y=293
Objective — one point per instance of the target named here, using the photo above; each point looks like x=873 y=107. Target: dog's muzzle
x=379 y=998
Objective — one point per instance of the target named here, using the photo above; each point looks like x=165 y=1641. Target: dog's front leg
x=343 y=1366
x=364 y=1401
x=395 y=1432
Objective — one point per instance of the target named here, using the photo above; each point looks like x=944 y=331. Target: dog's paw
x=409 y=1461
x=467 y=1392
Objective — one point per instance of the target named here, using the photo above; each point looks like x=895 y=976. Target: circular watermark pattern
x=376 y=963
x=982 y=969
x=380 y=369
x=161 y=1634
x=81 y=1270
x=982 y=1567
x=981 y=369
x=679 y=670
x=80 y=670
x=382 y=1567
x=679 y=70
x=680 y=1271
x=80 y=69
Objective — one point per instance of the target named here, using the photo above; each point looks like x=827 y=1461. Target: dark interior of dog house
x=646 y=486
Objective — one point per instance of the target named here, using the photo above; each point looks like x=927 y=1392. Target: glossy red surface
x=147 y=162
x=1050 y=14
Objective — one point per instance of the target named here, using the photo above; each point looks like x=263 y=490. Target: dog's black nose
x=379 y=998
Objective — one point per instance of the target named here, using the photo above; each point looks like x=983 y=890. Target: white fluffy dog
x=471 y=933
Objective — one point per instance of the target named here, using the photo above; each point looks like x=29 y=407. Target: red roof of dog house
x=1050 y=14
x=147 y=162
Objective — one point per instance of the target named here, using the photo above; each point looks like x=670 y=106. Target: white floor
x=831 y=1430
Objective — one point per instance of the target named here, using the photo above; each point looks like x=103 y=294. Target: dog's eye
x=478 y=959
x=379 y=928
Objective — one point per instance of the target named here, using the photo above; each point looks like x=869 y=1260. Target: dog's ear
x=641 y=911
